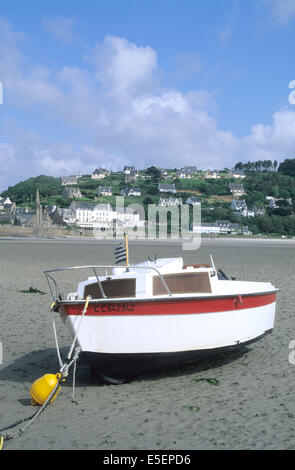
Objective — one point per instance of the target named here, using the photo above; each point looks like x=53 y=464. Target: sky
x=172 y=83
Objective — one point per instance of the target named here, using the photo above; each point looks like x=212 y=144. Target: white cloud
x=117 y=113
x=282 y=10
x=272 y=142
x=122 y=67
x=7 y=163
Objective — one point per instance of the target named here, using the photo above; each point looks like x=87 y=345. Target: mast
x=126 y=247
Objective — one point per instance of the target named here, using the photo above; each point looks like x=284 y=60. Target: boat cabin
x=148 y=279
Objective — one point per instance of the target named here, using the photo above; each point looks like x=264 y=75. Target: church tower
x=38 y=210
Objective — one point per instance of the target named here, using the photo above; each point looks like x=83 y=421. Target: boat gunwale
x=173 y=297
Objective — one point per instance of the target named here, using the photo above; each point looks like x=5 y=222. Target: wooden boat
x=159 y=314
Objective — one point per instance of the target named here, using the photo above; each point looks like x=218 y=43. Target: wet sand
x=251 y=407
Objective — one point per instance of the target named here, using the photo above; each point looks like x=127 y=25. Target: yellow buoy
x=43 y=387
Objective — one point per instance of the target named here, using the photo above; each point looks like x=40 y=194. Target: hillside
x=262 y=181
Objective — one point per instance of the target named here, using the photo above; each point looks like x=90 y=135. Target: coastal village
x=82 y=203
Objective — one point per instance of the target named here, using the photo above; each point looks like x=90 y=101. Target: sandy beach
x=250 y=405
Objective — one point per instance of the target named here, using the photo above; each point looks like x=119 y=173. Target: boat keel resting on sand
x=158 y=314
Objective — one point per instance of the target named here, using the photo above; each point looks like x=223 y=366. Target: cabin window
x=188 y=283
x=112 y=288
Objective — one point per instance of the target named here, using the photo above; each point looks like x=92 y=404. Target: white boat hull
x=162 y=333
x=124 y=335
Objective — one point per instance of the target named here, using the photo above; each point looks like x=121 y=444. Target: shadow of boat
x=31 y=366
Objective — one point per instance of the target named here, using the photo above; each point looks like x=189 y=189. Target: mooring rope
x=6 y=437
x=64 y=371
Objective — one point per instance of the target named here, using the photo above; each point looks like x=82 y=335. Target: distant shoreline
x=204 y=240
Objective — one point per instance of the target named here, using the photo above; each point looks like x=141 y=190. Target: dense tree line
x=259 y=165
x=272 y=224
x=25 y=191
x=287 y=167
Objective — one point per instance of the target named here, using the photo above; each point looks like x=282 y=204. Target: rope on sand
x=64 y=371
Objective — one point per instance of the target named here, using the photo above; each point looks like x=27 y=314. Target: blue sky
x=170 y=83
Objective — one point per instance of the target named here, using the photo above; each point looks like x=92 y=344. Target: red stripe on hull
x=169 y=306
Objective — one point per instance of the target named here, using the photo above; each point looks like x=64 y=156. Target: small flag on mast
x=120 y=253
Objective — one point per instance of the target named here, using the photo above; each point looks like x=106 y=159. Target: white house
x=259 y=210
x=222 y=227
x=239 y=206
x=237 y=189
x=167 y=188
x=104 y=191
x=72 y=193
x=206 y=228
x=131 y=192
x=90 y=215
x=171 y=201
x=128 y=170
x=183 y=173
x=69 y=180
x=100 y=174
x=236 y=174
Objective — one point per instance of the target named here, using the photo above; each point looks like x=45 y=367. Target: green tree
x=154 y=173
x=287 y=167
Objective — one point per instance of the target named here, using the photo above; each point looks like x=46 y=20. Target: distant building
x=69 y=180
x=237 y=189
x=71 y=193
x=206 y=228
x=7 y=205
x=191 y=169
x=183 y=173
x=128 y=169
x=164 y=173
x=131 y=175
x=24 y=217
x=99 y=216
x=131 y=192
x=222 y=227
x=36 y=218
x=250 y=213
x=212 y=174
x=56 y=215
x=275 y=203
x=99 y=174
x=172 y=201
x=236 y=174
x=104 y=191
x=258 y=210
x=239 y=206
x=167 y=188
